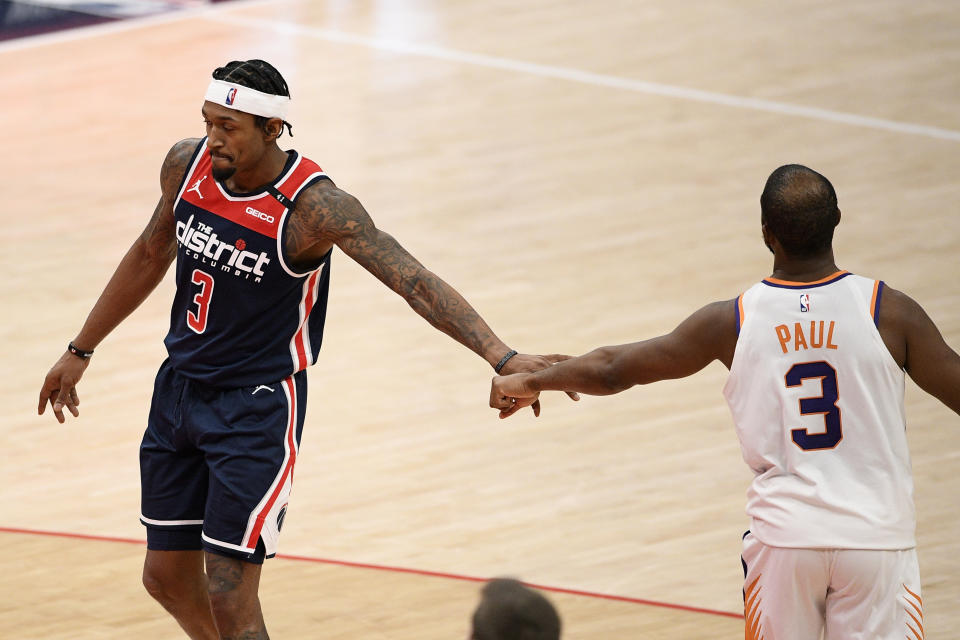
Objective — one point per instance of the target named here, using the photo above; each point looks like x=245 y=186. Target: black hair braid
x=259 y=75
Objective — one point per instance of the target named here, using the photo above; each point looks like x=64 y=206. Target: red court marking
x=418 y=572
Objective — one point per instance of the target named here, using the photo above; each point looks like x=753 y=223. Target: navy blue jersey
x=242 y=316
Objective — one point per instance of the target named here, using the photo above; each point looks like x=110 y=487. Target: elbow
x=414 y=291
x=155 y=258
x=420 y=293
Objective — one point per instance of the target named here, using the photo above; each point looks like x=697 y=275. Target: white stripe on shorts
x=167 y=523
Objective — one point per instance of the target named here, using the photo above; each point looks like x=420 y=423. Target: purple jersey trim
x=876 y=304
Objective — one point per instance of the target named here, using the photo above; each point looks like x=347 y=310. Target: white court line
x=128 y=24
x=595 y=79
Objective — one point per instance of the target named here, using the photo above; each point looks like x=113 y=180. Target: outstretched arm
x=707 y=335
x=917 y=345
x=138 y=274
x=325 y=215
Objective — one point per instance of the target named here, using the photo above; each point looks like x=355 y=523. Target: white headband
x=235 y=96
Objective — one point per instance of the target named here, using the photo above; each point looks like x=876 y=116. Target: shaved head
x=799 y=207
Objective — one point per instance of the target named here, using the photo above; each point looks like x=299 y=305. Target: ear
x=768 y=238
x=838 y=218
x=272 y=129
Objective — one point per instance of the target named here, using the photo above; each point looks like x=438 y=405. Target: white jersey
x=817 y=401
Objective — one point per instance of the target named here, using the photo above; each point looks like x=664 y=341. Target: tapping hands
x=513 y=389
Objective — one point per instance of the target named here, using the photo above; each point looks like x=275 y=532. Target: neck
x=804 y=269
x=264 y=172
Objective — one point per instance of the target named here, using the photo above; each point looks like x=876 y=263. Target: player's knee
x=168 y=584
x=160 y=587
x=230 y=601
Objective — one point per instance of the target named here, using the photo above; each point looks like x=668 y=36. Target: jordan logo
x=263 y=386
x=196 y=186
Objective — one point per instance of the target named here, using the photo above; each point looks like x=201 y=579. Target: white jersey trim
x=283 y=220
x=311 y=290
x=168 y=523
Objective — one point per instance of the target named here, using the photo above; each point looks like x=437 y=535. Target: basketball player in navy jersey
x=252 y=229
x=817 y=358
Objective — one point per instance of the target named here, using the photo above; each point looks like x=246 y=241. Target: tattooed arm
x=325 y=215
x=138 y=274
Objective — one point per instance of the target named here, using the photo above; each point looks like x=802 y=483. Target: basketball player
x=252 y=228
x=509 y=610
x=817 y=359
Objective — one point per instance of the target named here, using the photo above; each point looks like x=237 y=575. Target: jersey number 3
x=198 y=320
x=825 y=404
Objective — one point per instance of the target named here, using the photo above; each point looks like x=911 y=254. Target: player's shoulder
x=176 y=161
x=898 y=307
x=324 y=189
x=720 y=311
x=326 y=197
x=181 y=152
x=713 y=321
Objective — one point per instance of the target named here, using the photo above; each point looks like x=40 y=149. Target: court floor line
x=392 y=569
x=219 y=13
x=586 y=77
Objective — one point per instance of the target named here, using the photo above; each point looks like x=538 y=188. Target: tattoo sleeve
x=225 y=574
x=159 y=237
x=328 y=215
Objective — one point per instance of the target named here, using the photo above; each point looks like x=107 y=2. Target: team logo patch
x=196 y=186
x=231 y=95
x=804 y=302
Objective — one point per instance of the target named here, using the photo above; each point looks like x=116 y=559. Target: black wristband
x=500 y=364
x=80 y=353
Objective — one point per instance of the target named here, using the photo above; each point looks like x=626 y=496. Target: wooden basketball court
x=585 y=174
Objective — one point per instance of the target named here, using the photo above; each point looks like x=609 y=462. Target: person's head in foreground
x=508 y=610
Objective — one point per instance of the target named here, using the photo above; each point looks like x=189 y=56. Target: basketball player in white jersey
x=817 y=357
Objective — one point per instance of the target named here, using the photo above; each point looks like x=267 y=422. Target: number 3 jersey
x=817 y=401
x=242 y=315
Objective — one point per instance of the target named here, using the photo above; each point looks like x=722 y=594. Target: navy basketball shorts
x=216 y=465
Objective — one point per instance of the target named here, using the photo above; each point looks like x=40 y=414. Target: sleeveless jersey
x=242 y=316
x=817 y=401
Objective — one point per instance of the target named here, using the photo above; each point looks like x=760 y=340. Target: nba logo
x=231 y=94
x=804 y=302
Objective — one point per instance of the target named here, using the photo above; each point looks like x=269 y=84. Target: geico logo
x=259 y=214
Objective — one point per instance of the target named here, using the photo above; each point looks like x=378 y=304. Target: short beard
x=223 y=174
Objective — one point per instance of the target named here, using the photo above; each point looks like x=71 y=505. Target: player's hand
x=510 y=393
x=60 y=386
x=525 y=363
